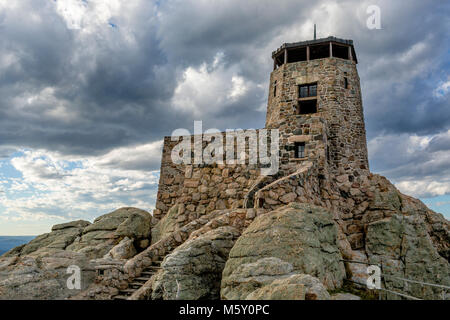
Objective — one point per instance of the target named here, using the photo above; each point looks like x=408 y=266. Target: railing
x=404 y=295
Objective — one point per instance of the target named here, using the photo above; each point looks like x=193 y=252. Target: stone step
x=142 y=279
x=153 y=268
x=136 y=284
x=128 y=291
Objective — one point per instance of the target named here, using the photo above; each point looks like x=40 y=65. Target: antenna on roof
x=314 y=31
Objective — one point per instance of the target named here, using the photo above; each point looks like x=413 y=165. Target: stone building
x=314 y=96
x=315 y=103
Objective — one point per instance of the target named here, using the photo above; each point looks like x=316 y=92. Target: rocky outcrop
x=108 y=230
x=124 y=250
x=93 y=240
x=166 y=225
x=194 y=270
x=39 y=269
x=437 y=227
x=60 y=238
x=373 y=198
x=344 y=296
x=404 y=249
x=272 y=251
x=43 y=277
x=303 y=237
x=271 y=278
x=385 y=227
x=294 y=287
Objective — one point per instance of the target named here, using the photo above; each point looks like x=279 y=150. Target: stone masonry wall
x=214 y=187
x=301 y=186
x=171 y=180
x=198 y=189
x=313 y=131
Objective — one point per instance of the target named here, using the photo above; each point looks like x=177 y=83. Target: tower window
x=345 y=82
x=319 y=51
x=300 y=150
x=307 y=106
x=307 y=90
x=275 y=88
x=340 y=51
x=296 y=55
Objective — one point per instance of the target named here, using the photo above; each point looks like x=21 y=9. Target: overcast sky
x=89 y=88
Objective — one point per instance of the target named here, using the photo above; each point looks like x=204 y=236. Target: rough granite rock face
x=62 y=235
x=38 y=270
x=294 y=287
x=108 y=230
x=303 y=236
x=166 y=225
x=403 y=247
x=378 y=199
x=193 y=271
x=436 y=225
x=124 y=250
x=280 y=289
x=344 y=296
x=43 y=277
x=267 y=278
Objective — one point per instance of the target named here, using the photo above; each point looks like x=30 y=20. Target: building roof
x=311 y=42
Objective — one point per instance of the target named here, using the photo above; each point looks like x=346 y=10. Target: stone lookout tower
x=315 y=102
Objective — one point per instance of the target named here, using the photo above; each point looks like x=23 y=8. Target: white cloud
x=73 y=12
x=206 y=89
x=88 y=15
x=425 y=188
x=419 y=165
x=53 y=185
x=442 y=89
x=238 y=88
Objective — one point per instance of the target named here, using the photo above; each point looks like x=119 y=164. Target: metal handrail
x=445 y=288
x=393 y=292
x=360 y=262
x=400 y=294
x=419 y=282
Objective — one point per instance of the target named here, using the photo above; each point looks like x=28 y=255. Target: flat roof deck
x=302 y=50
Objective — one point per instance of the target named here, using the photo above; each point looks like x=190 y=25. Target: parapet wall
x=301 y=186
x=198 y=189
x=214 y=187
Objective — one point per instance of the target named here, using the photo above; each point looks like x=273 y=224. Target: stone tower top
x=314 y=49
x=315 y=102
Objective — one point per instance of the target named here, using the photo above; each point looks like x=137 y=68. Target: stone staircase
x=138 y=282
x=152 y=257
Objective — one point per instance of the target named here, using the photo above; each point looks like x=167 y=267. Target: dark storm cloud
x=439 y=143
x=401 y=66
x=115 y=91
